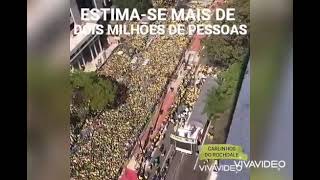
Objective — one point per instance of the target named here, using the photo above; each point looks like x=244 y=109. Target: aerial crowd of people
x=105 y=142
x=151 y=163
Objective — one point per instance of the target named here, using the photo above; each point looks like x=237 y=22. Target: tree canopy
x=92 y=91
x=222 y=51
x=222 y=98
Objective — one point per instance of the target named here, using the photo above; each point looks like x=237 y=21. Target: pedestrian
x=161 y=147
x=171 y=120
x=153 y=153
x=168 y=161
x=150 y=130
x=174 y=153
x=140 y=177
x=146 y=176
x=151 y=165
x=162 y=126
x=157 y=160
x=154 y=177
x=158 y=170
x=165 y=169
x=163 y=153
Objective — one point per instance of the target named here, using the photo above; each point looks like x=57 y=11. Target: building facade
x=86 y=50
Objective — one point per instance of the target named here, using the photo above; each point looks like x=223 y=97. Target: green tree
x=222 y=51
x=242 y=13
x=91 y=91
x=222 y=98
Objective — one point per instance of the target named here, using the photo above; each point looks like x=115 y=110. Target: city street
x=184 y=166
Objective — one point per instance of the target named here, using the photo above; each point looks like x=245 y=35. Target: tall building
x=86 y=49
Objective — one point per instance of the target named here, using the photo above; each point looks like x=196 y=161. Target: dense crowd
x=189 y=89
x=105 y=142
x=150 y=160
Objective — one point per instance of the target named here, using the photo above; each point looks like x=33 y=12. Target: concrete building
x=239 y=133
x=87 y=50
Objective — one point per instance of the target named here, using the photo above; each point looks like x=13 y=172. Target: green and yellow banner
x=222 y=152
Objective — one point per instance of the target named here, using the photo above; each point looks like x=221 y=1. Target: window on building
x=96 y=43
x=71 y=26
x=87 y=55
x=93 y=50
x=71 y=21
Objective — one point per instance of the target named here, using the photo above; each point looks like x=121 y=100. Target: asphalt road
x=182 y=166
x=185 y=166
